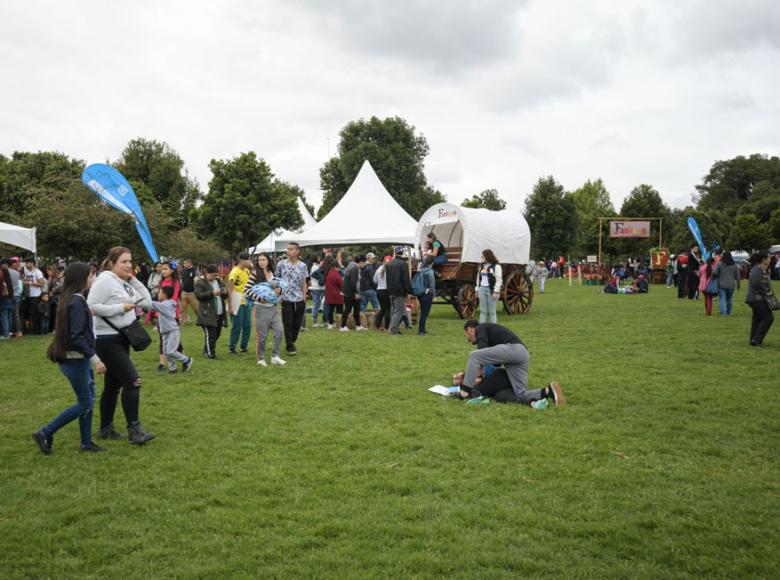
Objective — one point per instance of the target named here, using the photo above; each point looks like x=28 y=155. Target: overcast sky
x=504 y=92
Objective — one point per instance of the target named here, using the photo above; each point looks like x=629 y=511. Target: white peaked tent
x=505 y=232
x=282 y=236
x=19 y=236
x=367 y=214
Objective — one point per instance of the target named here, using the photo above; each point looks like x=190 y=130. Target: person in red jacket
x=334 y=299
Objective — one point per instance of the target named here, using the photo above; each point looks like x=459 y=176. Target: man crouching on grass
x=497 y=345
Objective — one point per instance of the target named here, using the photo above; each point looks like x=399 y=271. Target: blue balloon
x=112 y=187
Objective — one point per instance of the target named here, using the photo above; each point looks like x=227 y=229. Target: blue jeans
x=726 y=300
x=439 y=260
x=6 y=310
x=426 y=301
x=487 y=305
x=367 y=296
x=79 y=373
x=316 y=304
x=242 y=326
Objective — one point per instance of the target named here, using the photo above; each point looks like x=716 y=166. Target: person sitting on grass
x=170 y=333
x=497 y=345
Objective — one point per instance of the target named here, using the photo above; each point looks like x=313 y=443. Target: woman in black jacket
x=694 y=263
x=73 y=348
x=757 y=291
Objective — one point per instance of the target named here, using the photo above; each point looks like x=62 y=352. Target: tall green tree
x=245 y=202
x=644 y=201
x=552 y=218
x=488 y=199
x=397 y=154
x=157 y=172
x=749 y=234
x=592 y=202
x=732 y=183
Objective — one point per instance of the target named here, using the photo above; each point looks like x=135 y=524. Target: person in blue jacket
x=73 y=349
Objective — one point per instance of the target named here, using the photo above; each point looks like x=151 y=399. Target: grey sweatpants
x=170 y=344
x=268 y=318
x=397 y=310
x=516 y=361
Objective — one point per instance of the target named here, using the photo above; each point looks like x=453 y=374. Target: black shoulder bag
x=135 y=334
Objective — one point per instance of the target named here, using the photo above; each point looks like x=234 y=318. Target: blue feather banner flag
x=694 y=227
x=112 y=187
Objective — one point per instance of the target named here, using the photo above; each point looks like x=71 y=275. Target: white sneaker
x=344 y=329
x=361 y=328
x=315 y=325
x=275 y=360
x=262 y=362
x=331 y=326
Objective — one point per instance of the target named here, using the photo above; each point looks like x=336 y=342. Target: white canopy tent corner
x=366 y=214
x=279 y=238
x=504 y=232
x=18 y=236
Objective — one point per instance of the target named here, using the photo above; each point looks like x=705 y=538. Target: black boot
x=137 y=435
x=108 y=432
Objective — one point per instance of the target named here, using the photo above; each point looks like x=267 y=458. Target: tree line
x=737 y=203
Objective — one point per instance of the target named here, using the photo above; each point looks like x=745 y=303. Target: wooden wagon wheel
x=467 y=301
x=518 y=293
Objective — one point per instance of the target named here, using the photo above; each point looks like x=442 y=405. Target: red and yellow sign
x=621 y=229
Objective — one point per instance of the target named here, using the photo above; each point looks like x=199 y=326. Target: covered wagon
x=465 y=233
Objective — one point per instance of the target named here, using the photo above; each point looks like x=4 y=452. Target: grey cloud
x=446 y=36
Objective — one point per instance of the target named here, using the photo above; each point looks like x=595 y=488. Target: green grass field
x=664 y=464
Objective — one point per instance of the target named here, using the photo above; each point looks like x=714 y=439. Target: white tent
x=367 y=214
x=282 y=236
x=18 y=236
x=505 y=232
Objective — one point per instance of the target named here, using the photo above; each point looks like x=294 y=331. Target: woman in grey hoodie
x=727 y=273
x=112 y=299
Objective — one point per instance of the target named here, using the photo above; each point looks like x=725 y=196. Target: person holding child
x=264 y=290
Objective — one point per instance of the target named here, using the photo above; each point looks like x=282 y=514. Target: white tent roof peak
x=366 y=214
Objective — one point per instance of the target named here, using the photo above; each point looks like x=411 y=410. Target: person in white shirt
x=34 y=282
x=489 y=281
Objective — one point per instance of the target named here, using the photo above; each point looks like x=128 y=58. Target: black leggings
x=351 y=303
x=761 y=322
x=114 y=351
x=334 y=309
x=383 y=318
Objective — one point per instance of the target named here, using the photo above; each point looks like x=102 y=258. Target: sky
x=505 y=92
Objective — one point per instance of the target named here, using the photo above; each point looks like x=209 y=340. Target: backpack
x=418 y=283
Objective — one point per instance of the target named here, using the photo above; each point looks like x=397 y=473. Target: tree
x=552 y=219
x=157 y=172
x=644 y=201
x=245 y=203
x=592 y=202
x=488 y=199
x=774 y=225
x=395 y=152
x=731 y=183
x=749 y=234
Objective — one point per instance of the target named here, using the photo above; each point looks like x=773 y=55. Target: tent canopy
x=505 y=232
x=18 y=236
x=367 y=214
x=282 y=236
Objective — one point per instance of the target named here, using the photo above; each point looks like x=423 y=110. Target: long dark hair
x=174 y=270
x=489 y=256
x=708 y=269
x=758 y=257
x=728 y=259
x=76 y=277
x=260 y=276
x=328 y=264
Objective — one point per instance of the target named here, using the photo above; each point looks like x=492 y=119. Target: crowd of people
x=97 y=316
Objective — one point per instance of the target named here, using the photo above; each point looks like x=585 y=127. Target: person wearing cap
x=399 y=286
x=368 y=287
x=542 y=273
x=497 y=345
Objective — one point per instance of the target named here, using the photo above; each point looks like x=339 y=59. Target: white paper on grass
x=235 y=301
x=440 y=390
